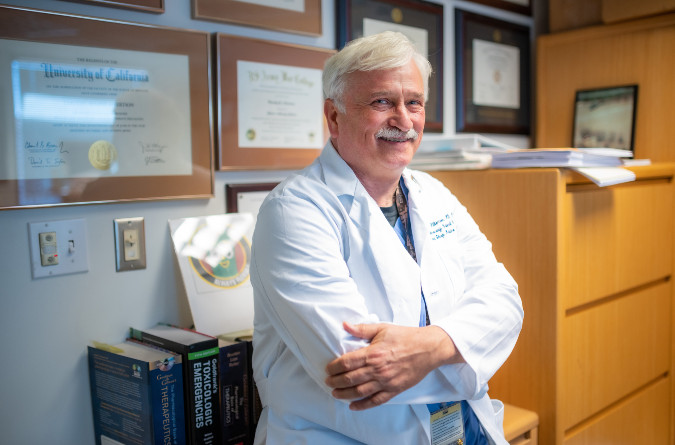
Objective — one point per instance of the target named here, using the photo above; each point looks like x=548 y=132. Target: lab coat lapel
x=427 y=254
x=399 y=273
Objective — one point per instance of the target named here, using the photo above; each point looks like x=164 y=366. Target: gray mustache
x=396 y=134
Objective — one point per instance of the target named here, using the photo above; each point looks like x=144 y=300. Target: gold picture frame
x=154 y=6
x=67 y=62
x=304 y=19
x=231 y=52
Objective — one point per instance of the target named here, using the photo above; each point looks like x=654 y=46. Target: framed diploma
x=492 y=63
x=99 y=111
x=520 y=6
x=246 y=197
x=270 y=104
x=156 y=6
x=420 y=21
x=296 y=16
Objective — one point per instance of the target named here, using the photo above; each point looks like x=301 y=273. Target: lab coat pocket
x=498 y=407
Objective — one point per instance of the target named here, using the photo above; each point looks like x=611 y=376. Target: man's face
x=389 y=101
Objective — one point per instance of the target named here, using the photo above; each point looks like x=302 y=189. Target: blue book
x=136 y=394
x=200 y=377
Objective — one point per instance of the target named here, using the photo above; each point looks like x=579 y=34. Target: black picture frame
x=605 y=117
x=502 y=104
x=415 y=14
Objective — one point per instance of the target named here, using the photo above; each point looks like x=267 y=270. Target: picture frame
x=492 y=75
x=295 y=16
x=605 y=117
x=246 y=197
x=519 y=6
x=420 y=21
x=154 y=6
x=101 y=111
x=269 y=104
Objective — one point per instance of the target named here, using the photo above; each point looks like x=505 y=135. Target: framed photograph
x=246 y=197
x=99 y=111
x=156 y=6
x=492 y=63
x=296 y=16
x=420 y=21
x=269 y=104
x=520 y=6
x=605 y=117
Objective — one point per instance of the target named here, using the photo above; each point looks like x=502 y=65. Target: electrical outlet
x=58 y=247
x=129 y=243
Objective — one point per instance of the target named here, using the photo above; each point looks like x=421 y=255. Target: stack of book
x=169 y=385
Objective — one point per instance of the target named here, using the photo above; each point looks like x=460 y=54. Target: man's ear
x=331 y=113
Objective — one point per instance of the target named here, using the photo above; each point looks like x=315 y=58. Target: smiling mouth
x=396 y=135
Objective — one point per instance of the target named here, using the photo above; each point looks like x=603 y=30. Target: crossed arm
x=396 y=359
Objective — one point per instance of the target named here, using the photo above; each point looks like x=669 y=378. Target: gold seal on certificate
x=102 y=154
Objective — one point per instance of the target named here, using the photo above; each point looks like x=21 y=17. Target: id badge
x=447 y=424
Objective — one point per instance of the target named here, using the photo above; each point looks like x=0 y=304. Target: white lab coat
x=323 y=253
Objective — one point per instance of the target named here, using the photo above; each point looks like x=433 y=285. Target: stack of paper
x=459 y=152
x=450 y=160
x=567 y=157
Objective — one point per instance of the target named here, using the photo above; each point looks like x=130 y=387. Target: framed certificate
x=420 y=21
x=270 y=104
x=296 y=16
x=246 y=197
x=492 y=63
x=520 y=6
x=99 y=111
x=156 y=6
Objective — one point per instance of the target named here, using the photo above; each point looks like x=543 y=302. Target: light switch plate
x=129 y=243
x=58 y=247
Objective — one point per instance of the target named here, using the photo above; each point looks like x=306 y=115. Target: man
x=380 y=310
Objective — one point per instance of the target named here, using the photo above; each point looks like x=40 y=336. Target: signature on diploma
x=45 y=162
x=42 y=146
x=153 y=152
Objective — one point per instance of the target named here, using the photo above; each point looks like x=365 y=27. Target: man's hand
x=396 y=359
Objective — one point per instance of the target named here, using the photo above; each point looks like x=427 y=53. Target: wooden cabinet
x=594 y=267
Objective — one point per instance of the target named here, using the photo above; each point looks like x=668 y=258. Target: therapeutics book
x=136 y=394
x=200 y=355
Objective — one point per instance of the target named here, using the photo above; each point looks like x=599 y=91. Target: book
x=200 y=377
x=556 y=157
x=136 y=394
x=234 y=392
x=253 y=396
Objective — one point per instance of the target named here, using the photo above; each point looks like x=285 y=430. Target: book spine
x=255 y=405
x=234 y=384
x=200 y=386
x=203 y=390
x=167 y=405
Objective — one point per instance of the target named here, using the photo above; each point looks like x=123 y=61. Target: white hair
x=386 y=50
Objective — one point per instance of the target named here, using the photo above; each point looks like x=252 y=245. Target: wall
x=47 y=323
